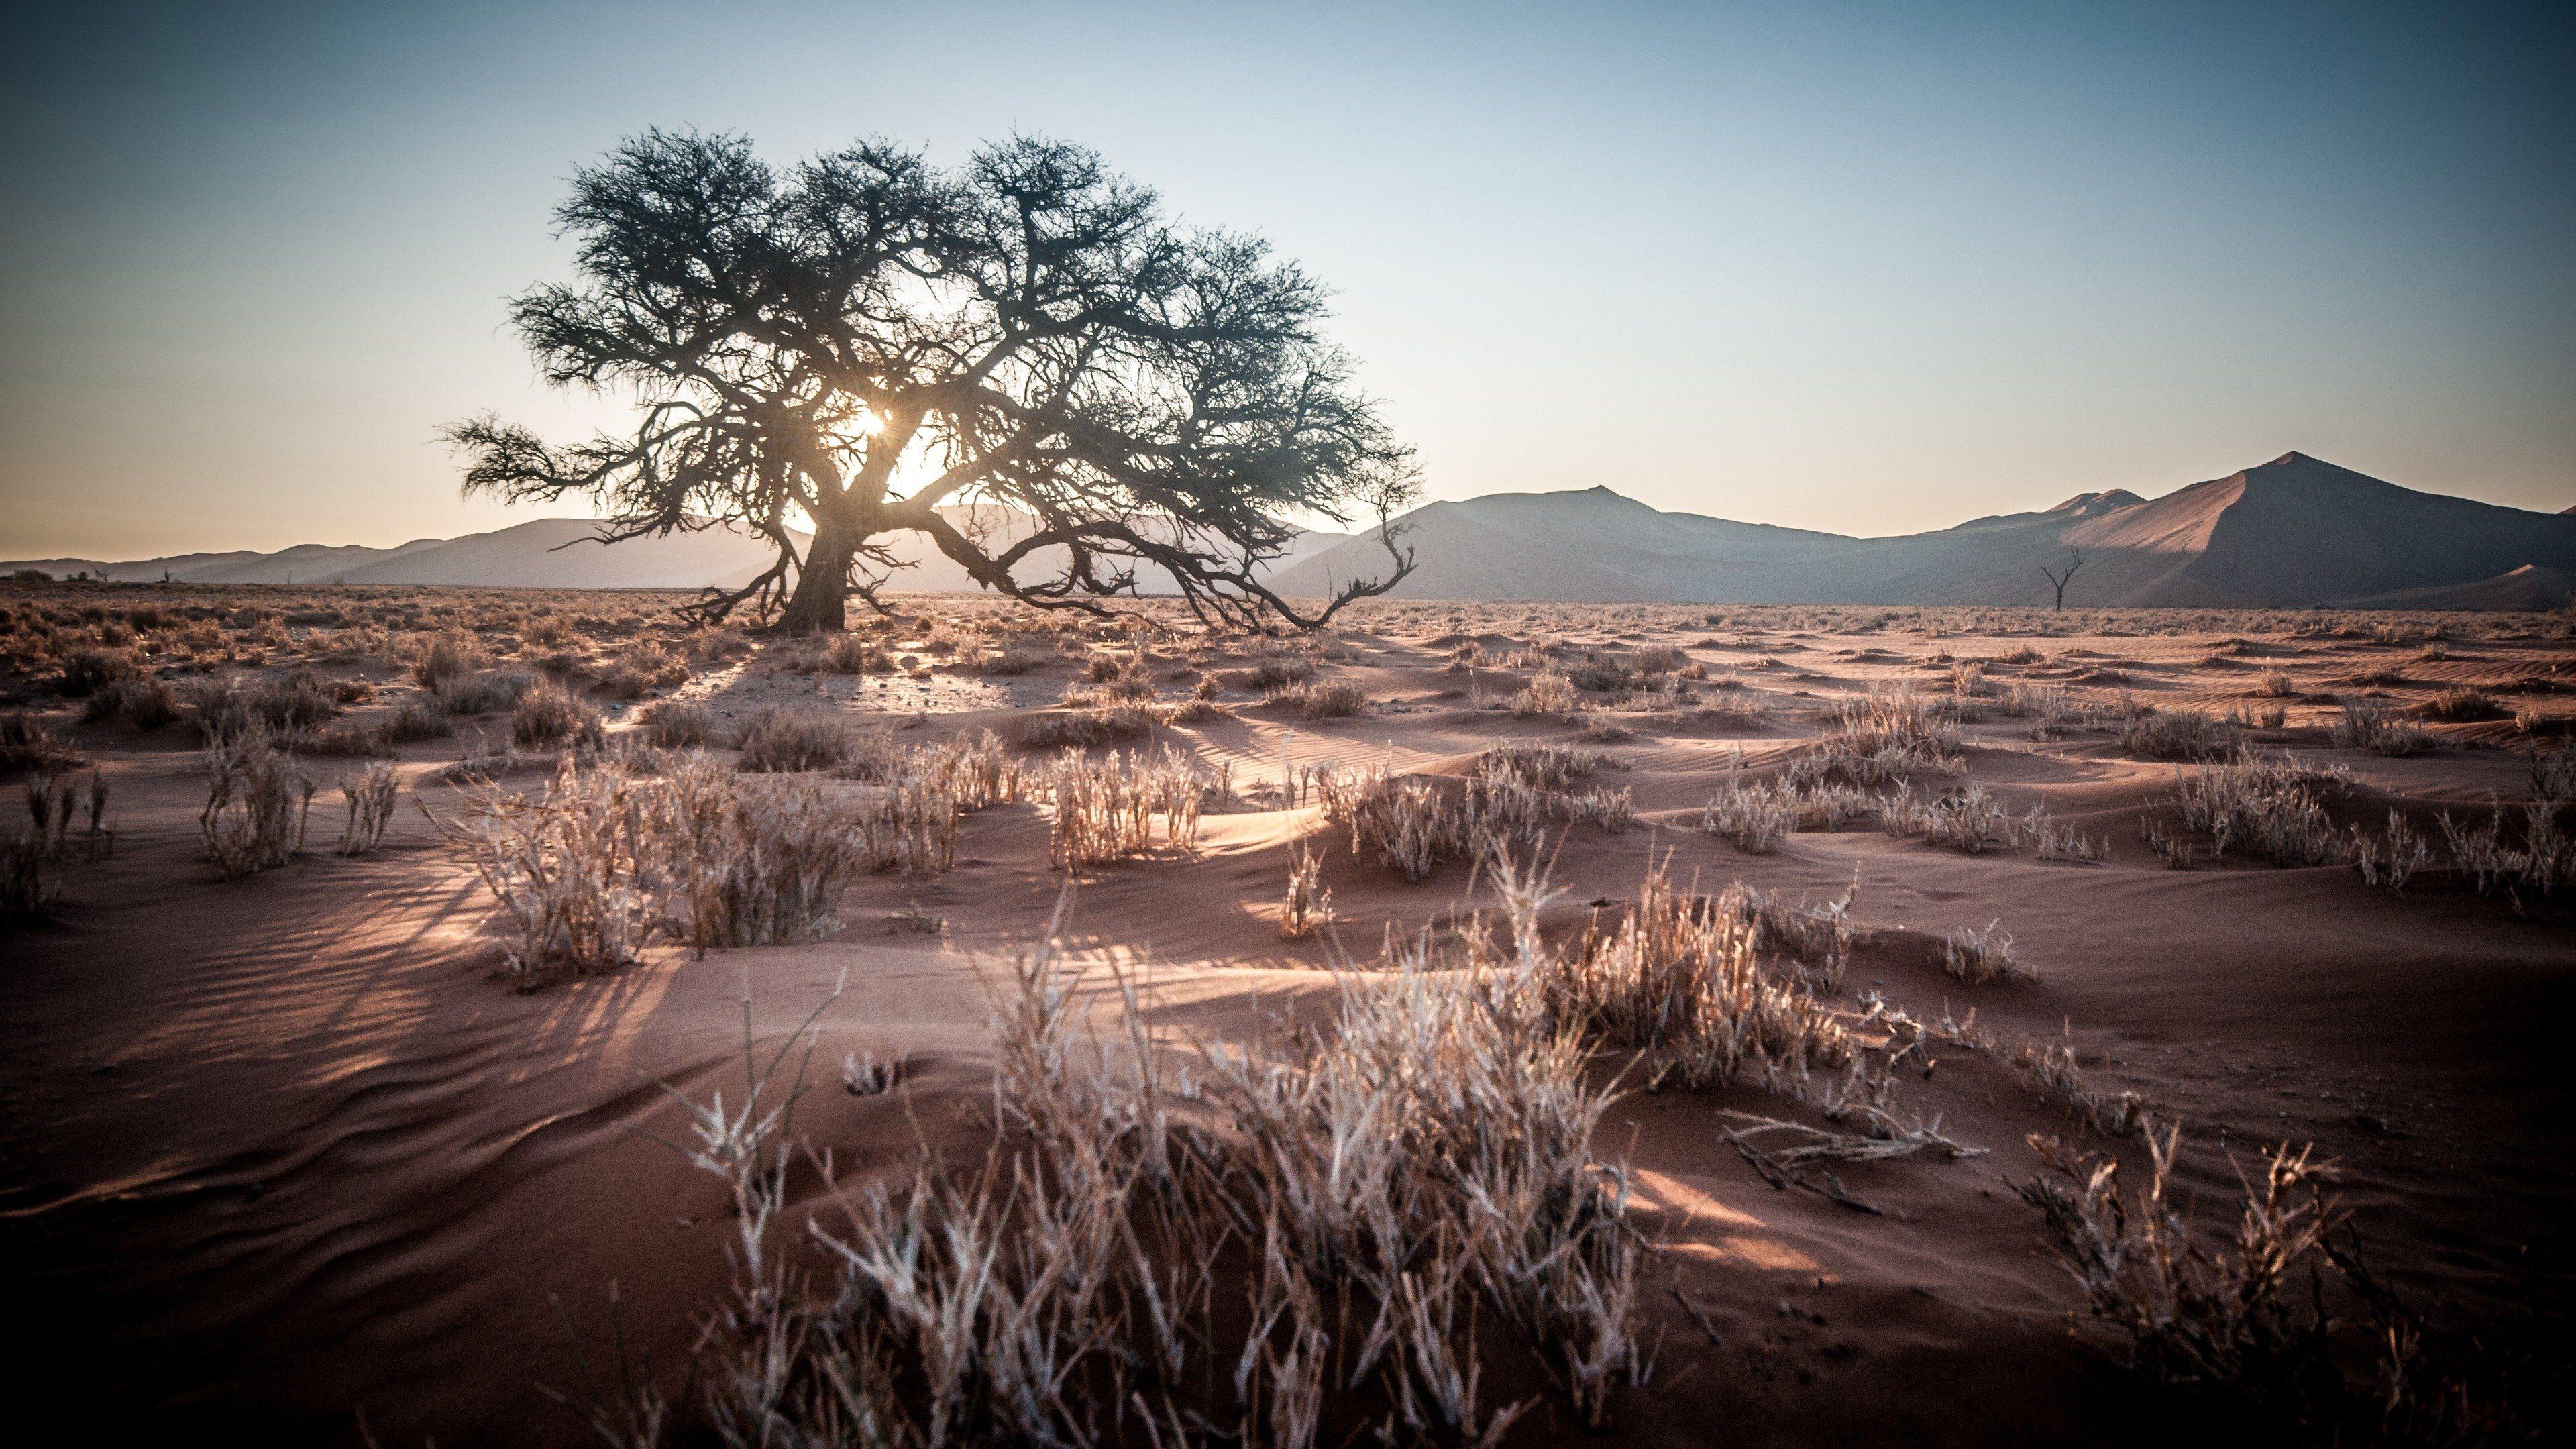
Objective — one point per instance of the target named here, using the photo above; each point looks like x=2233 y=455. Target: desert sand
x=296 y=1150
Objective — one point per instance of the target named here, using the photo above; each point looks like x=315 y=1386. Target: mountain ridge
x=2296 y=531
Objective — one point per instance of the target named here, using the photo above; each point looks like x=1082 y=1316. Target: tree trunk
x=820 y=601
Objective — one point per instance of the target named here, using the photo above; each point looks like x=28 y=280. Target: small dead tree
x=1022 y=359
x=2059 y=576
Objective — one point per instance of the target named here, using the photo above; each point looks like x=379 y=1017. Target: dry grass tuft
x=1107 y=807
x=549 y=714
x=256 y=808
x=31 y=742
x=1981 y=957
x=1308 y=905
x=2379 y=730
x=2272 y=806
x=370 y=797
x=2178 y=734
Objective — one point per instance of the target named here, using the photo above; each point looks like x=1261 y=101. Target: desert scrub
x=673 y=724
x=231 y=707
x=24 y=892
x=1983 y=956
x=2389 y=861
x=31 y=742
x=1547 y=693
x=2366 y=726
x=550 y=714
x=1328 y=699
x=1430 y=1159
x=1680 y=980
x=369 y=795
x=1309 y=903
x=488 y=691
x=2272 y=806
x=2462 y=705
x=2178 y=734
x=256 y=807
x=1107 y=807
x=1754 y=816
x=776 y=740
x=147 y=703
x=607 y=859
x=1411 y=824
x=2542 y=861
x=87 y=671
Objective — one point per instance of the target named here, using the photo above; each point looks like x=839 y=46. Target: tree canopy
x=868 y=343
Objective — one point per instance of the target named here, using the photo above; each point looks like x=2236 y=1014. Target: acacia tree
x=869 y=344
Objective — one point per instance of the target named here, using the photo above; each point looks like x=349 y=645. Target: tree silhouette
x=2059 y=576
x=872 y=344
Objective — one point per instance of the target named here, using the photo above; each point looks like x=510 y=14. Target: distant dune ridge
x=2296 y=531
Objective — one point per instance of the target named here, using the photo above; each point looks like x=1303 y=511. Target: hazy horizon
x=1873 y=271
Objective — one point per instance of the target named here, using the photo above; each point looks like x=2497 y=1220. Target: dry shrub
x=2235 y=1318
x=2463 y=705
x=1276 y=673
x=1981 y=957
x=1085 y=728
x=2277 y=684
x=447 y=658
x=2542 y=861
x=146 y=703
x=1752 y=815
x=1884 y=736
x=2251 y=1322
x=2178 y=734
x=87 y=671
x=1018 y=656
x=2272 y=806
x=2391 y=860
x=55 y=799
x=550 y=714
x=1328 y=699
x=606 y=859
x=673 y=724
x=1428 y=1158
x=909 y=825
x=24 y=894
x=233 y=707
x=1545 y=766
x=2379 y=730
x=1680 y=980
x=1409 y=824
x=256 y=808
x=370 y=797
x=1547 y=693
x=2045 y=705
x=783 y=740
x=1309 y=903
x=755 y=861
x=581 y=887
x=1106 y=808
x=31 y=742
x=850 y=654
x=489 y=691
x=417 y=720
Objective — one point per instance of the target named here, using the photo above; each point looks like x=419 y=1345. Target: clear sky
x=1869 y=268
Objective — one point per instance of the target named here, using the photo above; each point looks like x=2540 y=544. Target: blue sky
x=1865 y=268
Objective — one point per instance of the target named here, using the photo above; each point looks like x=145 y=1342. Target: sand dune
x=2293 y=532
x=310 y=1156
